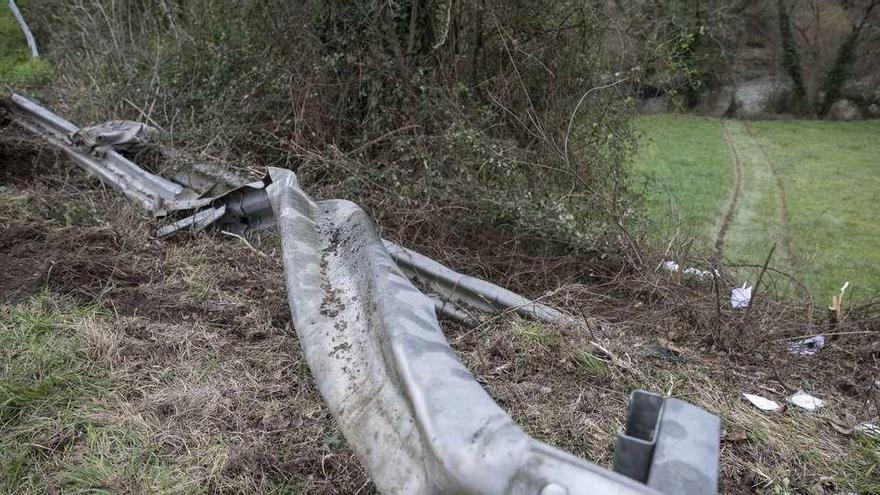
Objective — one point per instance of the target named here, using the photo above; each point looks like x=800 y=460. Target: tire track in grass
x=757 y=222
x=785 y=235
x=730 y=210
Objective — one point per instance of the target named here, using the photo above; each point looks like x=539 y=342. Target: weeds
x=41 y=354
x=474 y=124
x=537 y=335
x=590 y=364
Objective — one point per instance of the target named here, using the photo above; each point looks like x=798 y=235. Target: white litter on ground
x=868 y=430
x=696 y=272
x=806 y=401
x=807 y=347
x=740 y=297
x=670 y=266
x=761 y=403
x=673 y=267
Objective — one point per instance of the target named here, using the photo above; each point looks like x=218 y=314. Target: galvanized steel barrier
x=152 y=192
x=417 y=418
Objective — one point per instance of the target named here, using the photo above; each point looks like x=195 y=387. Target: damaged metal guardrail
x=417 y=418
x=154 y=193
x=457 y=296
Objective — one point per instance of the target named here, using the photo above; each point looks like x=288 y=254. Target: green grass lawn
x=831 y=172
x=830 y=175
x=756 y=224
x=683 y=171
x=17 y=68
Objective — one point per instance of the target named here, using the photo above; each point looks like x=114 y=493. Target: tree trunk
x=791 y=59
x=846 y=56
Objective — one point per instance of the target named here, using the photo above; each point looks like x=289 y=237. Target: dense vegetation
x=501 y=110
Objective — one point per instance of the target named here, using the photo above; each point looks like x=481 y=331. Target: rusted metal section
x=28 y=35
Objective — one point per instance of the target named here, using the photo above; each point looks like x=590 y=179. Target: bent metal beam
x=418 y=419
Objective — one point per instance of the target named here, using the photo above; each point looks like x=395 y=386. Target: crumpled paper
x=806 y=401
x=761 y=403
x=741 y=297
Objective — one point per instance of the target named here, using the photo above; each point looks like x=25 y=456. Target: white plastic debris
x=696 y=272
x=806 y=401
x=673 y=267
x=807 y=347
x=761 y=403
x=670 y=266
x=868 y=430
x=740 y=297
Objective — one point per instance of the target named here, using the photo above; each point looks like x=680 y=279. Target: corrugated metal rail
x=418 y=419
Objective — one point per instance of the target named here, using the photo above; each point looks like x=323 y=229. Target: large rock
x=866 y=89
x=874 y=110
x=761 y=97
x=716 y=102
x=844 y=110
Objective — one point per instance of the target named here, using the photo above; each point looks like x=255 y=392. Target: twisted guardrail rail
x=417 y=418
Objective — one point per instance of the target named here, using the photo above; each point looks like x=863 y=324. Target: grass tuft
x=536 y=335
x=590 y=364
x=17 y=68
x=43 y=366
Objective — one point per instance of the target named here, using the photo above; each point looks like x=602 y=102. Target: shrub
x=405 y=104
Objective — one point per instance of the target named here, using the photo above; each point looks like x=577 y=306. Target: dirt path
x=787 y=245
x=730 y=210
x=757 y=214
